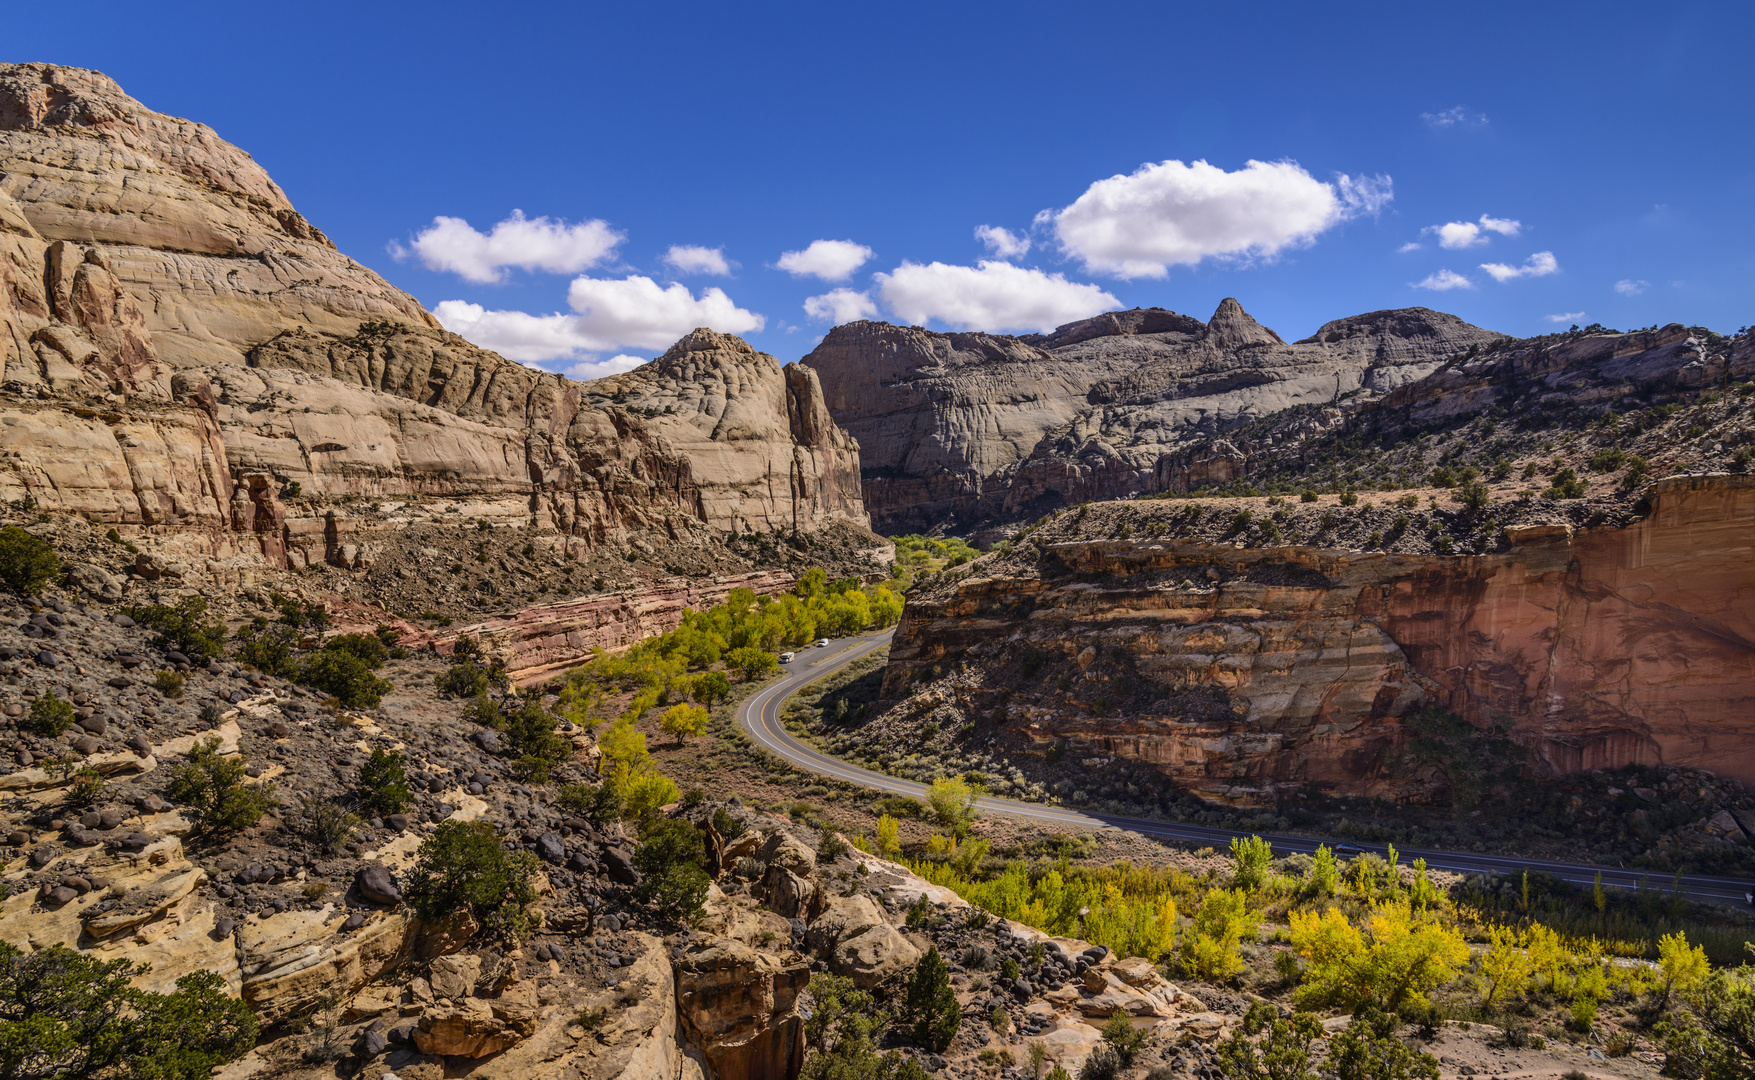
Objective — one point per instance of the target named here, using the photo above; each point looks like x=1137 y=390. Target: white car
x=786 y=658
x=822 y=643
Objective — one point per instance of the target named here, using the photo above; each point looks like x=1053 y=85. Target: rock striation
x=180 y=349
x=1238 y=671
x=967 y=429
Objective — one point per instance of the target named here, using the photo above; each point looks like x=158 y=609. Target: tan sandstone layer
x=1236 y=669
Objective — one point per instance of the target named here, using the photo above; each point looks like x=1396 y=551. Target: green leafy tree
x=1368 y=1049
x=531 y=733
x=212 y=789
x=349 y=679
x=66 y=1016
x=183 y=626
x=670 y=859
x=1253 y=858
x=684 y=721
x=464 y=679
x=383 y=786
x=464 y=865
x=711 y=686
x=752 y=662
x=1267 y=1047
x=1682 y=966
x=27 y=563
x=49 y=715
x=1324 y=878
x=952 y=799
x=269 y=649
x=930 y=1006
x=367 y=647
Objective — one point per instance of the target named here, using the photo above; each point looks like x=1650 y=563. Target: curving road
x=759 y=715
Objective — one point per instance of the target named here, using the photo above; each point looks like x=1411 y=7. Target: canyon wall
x=962 y=430
x=180 y=350
x=1239 y=671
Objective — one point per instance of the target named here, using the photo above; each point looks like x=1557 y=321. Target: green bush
x=1253 y=858
x=367 y=647
x=1283 y=1054
x=49 y=715
x=344 y=675
x=212 y=789
x=26 y=562
x=670 y=859
x=930 y=1006
x=383 y=786
x=183 y=626
x=598 y=803
x=168 y=682
x=1125 y=1039
x=840 y=1031
x=463 y=865
x=1369 y=1050
x=268 y=649
x=1566 y=484
x=466 y=679
x=66 y=1015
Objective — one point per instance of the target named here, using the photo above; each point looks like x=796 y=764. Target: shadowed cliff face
x=961 y=430
x=178 y=347
x=1235 y=671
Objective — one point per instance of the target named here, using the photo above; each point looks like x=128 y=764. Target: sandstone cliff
x=958 y=430
x=1240 y=670
x=181 y=351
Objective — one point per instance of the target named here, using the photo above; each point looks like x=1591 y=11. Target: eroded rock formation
x=180 y=349
x=966 y=429
x=1237 y=670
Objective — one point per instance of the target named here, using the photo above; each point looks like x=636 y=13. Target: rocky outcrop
x=962 y=429
x=180 y=350
x=1237 y=670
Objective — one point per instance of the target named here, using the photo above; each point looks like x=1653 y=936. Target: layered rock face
x=963 y=429
x=179 y=347
x=1236 y=671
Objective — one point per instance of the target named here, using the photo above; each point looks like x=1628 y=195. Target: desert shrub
x=1324 y=878
x=840 y=1032
x=465 y=679
x=1566 y=484
x=168 y=682
x=49 y=715
x=268 y=649
x=66 y=1015
x=212 y=789
x=929 y=1006
x=183 y=626
x=327 y=824
x=1125 y=1039
x=670 y=859
x=1368 y=1049
x=593 y=802
x=531 y=733
x=463 y=865
x=345 y=676
x=27 y=563
x=1267 y=1047
x=367 y=647
x=383 y=784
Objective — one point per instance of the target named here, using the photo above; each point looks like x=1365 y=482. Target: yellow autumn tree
x=1390 y=961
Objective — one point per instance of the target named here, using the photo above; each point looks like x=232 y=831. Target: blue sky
x=1596 y=157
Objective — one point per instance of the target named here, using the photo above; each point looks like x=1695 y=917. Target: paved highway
x=760 y=717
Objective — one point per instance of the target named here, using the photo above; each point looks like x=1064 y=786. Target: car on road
x=1347 y=851
x=786 y=658
x=822 y=643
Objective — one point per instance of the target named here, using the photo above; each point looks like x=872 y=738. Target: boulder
x=467 y=1028
x=551 y=848
x=375 y=883
x=844 y=917
x=790 y=895
x=620 y=866
x=873 y=955
x=454 y=976
x=739 y=1006
x=783 y=849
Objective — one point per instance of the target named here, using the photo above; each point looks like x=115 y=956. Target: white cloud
x=1541 y=264
x=1455 y=116
x=636 y=311
x=596 y=369
x=992 y=296
x=1169 y=214
x=450 y=244
x=831 y=260
x=1456 y=235
x=1565 y=317
x=1411 y=245
x=840 y=306
x=1631 y=286
x=609 y=314
x=1003 y=242
x=1444 y=281
x=689 y=259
